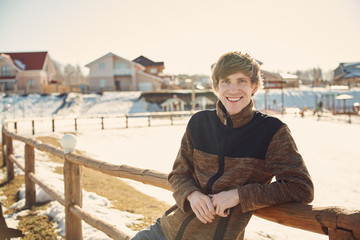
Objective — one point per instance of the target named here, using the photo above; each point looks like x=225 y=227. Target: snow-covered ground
x=75 y=104
x=330 y=150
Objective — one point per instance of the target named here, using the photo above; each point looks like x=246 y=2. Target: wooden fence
x=124 y=120
x=337 y=223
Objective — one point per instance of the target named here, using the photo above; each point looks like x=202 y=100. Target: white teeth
x=233 y=99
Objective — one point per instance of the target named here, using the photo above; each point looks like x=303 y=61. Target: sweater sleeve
x=181 y=177
x=293 y=182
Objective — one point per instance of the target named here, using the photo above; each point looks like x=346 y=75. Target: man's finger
x=198 y=215
x=206 y=215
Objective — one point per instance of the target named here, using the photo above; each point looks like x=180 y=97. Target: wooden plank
x=13 y=159
x=30 y=190
x=73 y=194
x=3 y=146
x=9 y=164
x=49 y=190
x=146 y=176
x=107 y=228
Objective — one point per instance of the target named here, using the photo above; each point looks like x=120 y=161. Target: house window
x=153 y=70
x=31 y=82
x=102 y=83
x=102 y=65
x=5 y=70
x=120 y=65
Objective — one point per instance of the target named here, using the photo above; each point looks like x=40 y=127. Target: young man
x=227 y=160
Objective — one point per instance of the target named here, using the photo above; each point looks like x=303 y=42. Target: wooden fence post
x=73 y=196
x=9 y=164
x=53 y=125
x=127 y=121
x=72 y=190
x=30 y=190
x=15 y=126
x=75 y=124
x=102 y=123
x=3 y=147
x=33 y=127
x=149 y=124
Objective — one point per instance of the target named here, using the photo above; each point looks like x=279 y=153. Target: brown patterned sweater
x=244 y=151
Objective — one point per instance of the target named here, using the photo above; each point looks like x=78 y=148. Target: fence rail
x=73 y=123
x=336 y=222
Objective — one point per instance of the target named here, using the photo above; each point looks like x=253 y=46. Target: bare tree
x=311 y=76
x=59 y=76
x=73 y=75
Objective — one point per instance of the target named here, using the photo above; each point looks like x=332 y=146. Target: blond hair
x=233 y=62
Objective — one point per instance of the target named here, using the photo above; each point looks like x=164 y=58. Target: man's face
x=235 y=92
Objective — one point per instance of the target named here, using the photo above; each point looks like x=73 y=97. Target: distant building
x=347 y=74
x=202 y=103
x=151 y=67
x=271 y=80
x=114 y=73
x=290 y=80
x=27 y=72
x=173 y=104
x=279 y=80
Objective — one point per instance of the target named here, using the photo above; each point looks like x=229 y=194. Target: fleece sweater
x=244 y=151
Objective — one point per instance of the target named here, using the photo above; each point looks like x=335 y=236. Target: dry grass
x=33 y=225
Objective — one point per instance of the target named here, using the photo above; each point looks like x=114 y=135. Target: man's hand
x=202 y=206
x=225 y=200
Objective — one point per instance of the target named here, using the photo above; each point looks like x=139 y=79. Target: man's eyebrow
x=243 y=78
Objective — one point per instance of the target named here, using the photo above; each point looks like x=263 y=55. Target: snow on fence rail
x=336 y=222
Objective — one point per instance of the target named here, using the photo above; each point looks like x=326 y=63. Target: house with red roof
x=26 y=72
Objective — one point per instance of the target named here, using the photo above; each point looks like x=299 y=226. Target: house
x=202 y=102
x=26 y=72
x=173 y=104
x=271 y=80
x=290 y=80
x=154 y=68
x=114 y=73
x=279 y=80
x=347 y=74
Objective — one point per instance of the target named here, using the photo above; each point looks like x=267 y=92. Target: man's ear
x=255 y=89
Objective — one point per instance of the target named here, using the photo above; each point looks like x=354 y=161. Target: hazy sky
x=187 y=35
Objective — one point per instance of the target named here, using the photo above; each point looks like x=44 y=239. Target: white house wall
x=127 y=76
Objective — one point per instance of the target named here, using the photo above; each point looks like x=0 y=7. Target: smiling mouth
x=234 y=99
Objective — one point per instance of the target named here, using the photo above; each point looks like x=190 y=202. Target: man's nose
x=234 y=87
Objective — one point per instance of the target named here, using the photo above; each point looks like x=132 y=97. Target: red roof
x=31 y=60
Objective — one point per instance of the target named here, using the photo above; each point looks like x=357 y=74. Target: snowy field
x=330 y=149
x=331 y=152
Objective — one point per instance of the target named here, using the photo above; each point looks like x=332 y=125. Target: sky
x=188 y=36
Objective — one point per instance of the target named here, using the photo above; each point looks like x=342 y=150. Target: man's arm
x=293 y=182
